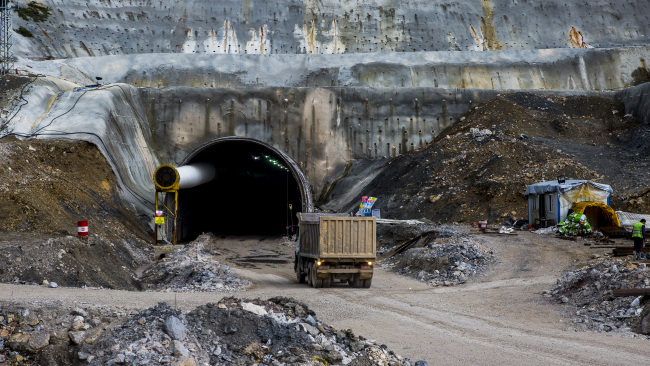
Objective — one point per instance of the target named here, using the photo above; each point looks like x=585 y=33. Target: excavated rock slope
x=479 y=167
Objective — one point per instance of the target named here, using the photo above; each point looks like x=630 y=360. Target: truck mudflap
x=326 y=272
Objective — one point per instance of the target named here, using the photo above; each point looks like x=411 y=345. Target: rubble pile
x=589 y=291
x=278 y=331
x=478 y=168
x=192 y=269
x=52 y=333
x=448 y=261
x=91 y=262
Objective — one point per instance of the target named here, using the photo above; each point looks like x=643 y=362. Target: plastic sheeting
x=628 y=219
x=569 y=184
x=608 y=215
x=585 y=192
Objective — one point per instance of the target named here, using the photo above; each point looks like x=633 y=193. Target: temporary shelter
x=550 y=202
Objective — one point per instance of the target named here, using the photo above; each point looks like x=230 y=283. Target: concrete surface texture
x=110 y=117
x=580 y=69
x=80 y=28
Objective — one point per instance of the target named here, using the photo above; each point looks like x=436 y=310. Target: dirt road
x=500 y=318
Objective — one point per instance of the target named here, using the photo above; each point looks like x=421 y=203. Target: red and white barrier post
x=82 y=228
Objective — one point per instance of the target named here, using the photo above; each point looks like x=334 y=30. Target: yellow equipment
x=166 y=179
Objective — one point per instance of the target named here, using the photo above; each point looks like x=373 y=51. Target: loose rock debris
x=589 y=292
x=452 y=259
x=192 y=269
x=92 y=262
x=278 y=331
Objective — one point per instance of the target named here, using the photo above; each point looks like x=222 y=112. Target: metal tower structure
x=6 y=56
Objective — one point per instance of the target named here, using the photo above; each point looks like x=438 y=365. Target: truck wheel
x=355 y=281
x=315 y=281
x=309 y=277
x=367 y=283
x=327 y=283
x=299 y=275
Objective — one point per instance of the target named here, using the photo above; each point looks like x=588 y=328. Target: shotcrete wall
x=562 y=69
x=81 y=28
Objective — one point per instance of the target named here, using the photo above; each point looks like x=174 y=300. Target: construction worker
x=638 y=235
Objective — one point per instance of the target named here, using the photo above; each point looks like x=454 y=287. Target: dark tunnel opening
x=250 y=194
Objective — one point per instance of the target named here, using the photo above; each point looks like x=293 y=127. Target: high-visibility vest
x=636 y=231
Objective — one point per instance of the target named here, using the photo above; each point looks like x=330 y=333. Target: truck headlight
x=370 y=263
x=318 y=263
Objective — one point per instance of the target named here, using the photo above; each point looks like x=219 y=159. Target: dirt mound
x=589 y=292
x=240 y=332
x=191 y=269
x=479 y=168
x=52 y=332
x=71 y=261
x=278 y=331
x=47 y=186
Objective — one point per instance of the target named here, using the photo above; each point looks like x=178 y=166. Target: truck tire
x=356 y=281
x=327 y=282
x=309 y=278
x=299 y=275
x=315 y=281
x=367 y=282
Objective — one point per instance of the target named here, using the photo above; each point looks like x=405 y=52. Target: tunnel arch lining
x=298 y=175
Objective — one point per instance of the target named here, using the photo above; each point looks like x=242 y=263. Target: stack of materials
x=576 y=224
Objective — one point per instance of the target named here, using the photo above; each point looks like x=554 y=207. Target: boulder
x=175 y=328
x=38 y=340
x=77 y=337
x=179 y=349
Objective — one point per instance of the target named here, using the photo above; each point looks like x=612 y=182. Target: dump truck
x=333 y=247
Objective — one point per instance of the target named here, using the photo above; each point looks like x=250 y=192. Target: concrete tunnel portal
x=250 y=194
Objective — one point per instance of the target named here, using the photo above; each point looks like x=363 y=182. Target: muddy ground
x=478 y=168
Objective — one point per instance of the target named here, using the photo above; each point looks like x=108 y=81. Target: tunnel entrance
x=254 y=185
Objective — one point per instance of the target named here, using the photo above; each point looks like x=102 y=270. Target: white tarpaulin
x=628 y=219
x=569 y=184
x=571 y=191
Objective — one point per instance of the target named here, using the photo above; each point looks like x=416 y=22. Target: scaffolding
x=6 y=56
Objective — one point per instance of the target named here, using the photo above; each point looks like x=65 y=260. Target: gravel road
x=499 y=318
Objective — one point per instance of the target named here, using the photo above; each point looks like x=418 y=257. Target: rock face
x=588 y=292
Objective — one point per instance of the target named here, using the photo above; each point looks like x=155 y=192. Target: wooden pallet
x=622 y=251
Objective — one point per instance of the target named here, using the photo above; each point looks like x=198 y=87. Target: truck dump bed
x=331 y=236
